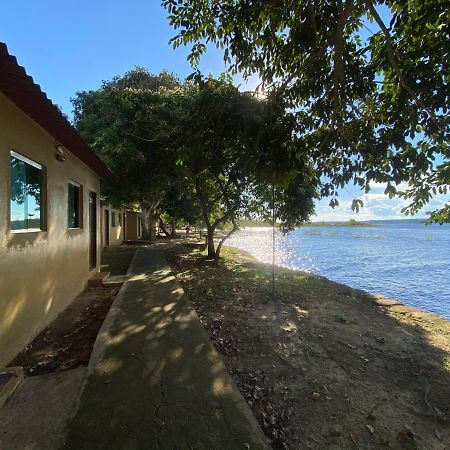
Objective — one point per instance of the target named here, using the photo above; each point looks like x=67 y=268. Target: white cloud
x=377 y=206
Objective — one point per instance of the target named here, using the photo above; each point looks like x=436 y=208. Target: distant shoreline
x=349 y=223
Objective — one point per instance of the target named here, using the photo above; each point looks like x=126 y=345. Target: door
x=92 y=229
x=106 y=226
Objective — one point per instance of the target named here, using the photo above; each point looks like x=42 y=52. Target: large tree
x=236 y=157
x=132 y=123
x=367 y=108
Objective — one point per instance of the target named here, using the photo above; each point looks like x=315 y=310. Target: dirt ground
x=68 y=341
x=323 y=366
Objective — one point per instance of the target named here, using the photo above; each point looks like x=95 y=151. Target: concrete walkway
x=155 y=380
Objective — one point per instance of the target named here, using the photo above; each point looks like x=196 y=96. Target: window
x=26 y=196
x=74 y=205
x=113 y=219
x=120 y=219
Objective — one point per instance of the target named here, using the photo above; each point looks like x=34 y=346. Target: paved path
x=156 y=381
x=35 y=417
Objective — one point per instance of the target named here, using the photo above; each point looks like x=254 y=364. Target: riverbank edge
x=332 y=348
x=376 y=298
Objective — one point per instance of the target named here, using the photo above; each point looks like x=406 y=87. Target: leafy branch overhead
x=367 y=82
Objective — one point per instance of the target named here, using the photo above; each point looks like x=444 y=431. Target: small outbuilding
x=112 y=225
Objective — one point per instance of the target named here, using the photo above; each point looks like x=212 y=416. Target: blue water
x=402 y=259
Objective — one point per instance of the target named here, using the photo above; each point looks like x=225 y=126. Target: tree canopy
x=367 y=82
x=197 y=149
x=236 y=157
x=132 y=123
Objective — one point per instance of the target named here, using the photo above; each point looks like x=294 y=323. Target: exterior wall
x=40 y=272
x=133 y=230
x=115 y=234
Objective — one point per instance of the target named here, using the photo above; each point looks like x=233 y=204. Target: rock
x=315 y=396
x=340 y=318
x=354 y=437
x=370 y=429
x=407 y=434
x=336 y=430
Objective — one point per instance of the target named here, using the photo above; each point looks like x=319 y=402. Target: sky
x=73 y=46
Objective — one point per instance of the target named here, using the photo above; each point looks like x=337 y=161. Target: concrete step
x=98 y=279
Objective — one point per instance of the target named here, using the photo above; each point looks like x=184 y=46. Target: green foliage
x=234 y=151
x=132 y=123
x=365 y=111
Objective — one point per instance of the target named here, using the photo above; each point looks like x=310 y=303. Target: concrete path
x=156 y=381
x=35 y=417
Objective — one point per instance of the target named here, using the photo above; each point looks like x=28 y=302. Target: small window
x=74 y=205
x=26 y=196
x=113 y=219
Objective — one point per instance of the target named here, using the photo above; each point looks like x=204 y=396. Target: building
x=133 y=226
x=49 y=209
x=112 y=225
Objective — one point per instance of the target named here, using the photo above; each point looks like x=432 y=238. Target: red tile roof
x=28 y=96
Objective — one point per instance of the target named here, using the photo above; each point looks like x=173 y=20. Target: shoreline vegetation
x=324 y=365
x=349 y=223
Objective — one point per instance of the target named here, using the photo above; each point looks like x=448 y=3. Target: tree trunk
x=162 y=226
x=210 y=243
x=149 y=223
x=219 y=247
x=174 y=226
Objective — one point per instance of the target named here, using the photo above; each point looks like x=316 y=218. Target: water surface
x=402 y=259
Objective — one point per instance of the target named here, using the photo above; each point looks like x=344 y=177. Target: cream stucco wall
x=40 y=272
x=132 y=231
x=116 y=234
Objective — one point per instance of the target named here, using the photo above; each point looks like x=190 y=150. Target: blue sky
x=73 y=46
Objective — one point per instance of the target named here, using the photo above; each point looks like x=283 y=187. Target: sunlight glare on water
x=258 y=242
x=402 y=259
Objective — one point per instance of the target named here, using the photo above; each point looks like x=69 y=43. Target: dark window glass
x=26 y=194
x=113 y=219
x=73 y=212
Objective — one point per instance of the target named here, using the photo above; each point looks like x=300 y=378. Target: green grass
x=446 y=363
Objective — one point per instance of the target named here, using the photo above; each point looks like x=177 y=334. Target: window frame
x=80 y=204
x=43 y=194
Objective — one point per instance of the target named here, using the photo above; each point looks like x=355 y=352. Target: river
x=402 y=259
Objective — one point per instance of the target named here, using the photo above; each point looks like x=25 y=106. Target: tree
x=132 y=123
x=232 y=150
x=367 y=109
x=179 y=205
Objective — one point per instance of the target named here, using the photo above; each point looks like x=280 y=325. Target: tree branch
x=394 y=63
x=338 y=68
x=233 y=230
x=138 y=137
